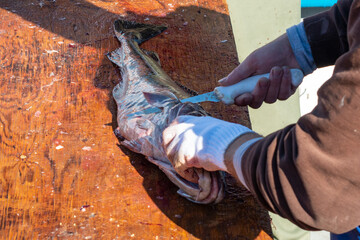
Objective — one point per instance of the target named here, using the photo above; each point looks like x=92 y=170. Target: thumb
x=244 y=70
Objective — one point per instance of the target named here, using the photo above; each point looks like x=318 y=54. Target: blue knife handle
x=229 y=93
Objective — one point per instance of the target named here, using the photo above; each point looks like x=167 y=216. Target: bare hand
x=276 y=57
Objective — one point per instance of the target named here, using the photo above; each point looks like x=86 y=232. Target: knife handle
x=228 y=94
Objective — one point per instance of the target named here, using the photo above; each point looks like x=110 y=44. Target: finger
x=168 y=135
x=276 y=74
x=244 y=70
x=189 y=174
x=175 y=129
x=244 y=99
x=260 y=92
x=171 y=150
x=285 y=88
x=181 y=153
x=188 y=161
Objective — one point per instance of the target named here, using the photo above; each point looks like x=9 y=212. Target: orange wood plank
x=62 y=174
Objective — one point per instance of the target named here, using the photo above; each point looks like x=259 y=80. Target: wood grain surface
x=62 y=173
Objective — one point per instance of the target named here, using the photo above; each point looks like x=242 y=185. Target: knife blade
x=227 y=94
x=205 y=97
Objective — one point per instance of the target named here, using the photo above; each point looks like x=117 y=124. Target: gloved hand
x=276 y=57
x=199 y=142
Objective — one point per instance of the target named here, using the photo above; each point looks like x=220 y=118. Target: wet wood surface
x=62 y=173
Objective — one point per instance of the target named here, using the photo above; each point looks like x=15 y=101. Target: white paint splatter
x=59 y=147
x=86 y=148
x=51 y=51
x=55 y=79
x=37 y=114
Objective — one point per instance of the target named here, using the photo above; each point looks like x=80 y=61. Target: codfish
x=144 y=86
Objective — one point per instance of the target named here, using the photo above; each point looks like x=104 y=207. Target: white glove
x=199 y=142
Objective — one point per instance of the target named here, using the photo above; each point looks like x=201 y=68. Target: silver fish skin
x=144 y=84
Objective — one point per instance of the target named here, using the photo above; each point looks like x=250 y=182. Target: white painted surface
x=321 y=235
x=308 y=89
x=256 y=23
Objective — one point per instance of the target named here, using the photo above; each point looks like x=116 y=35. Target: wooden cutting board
x=62 y=173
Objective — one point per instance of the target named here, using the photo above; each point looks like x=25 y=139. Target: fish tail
x=139 y=32
x=117 y=57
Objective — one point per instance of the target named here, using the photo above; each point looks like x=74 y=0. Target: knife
x=228 y=94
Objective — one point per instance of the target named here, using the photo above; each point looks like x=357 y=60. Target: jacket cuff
x=235 y=151
x=301 y=48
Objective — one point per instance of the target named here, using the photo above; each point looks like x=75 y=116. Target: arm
x=327 y=33
x=325 y=40
x=309 y=172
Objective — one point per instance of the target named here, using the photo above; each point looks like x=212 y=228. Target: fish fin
x=185 y=195
x=119 y=91
x=116 y=57
x=145 y=124
x=118 y=134
x=153 y=55
x=159 y=100
x=132 y=145
x=186 y=89
x=189 y=197
x=162 y=164
x=140 y=32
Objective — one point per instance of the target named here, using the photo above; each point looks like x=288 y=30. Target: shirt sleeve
x=309 y=172
x=301 y=48
x=326 y=33
x=238 y=155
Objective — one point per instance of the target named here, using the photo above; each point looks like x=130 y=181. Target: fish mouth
x=215 y=195
x=208 y=189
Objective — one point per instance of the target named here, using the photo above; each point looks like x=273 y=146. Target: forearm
x=309 y=172
x=301 y=48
